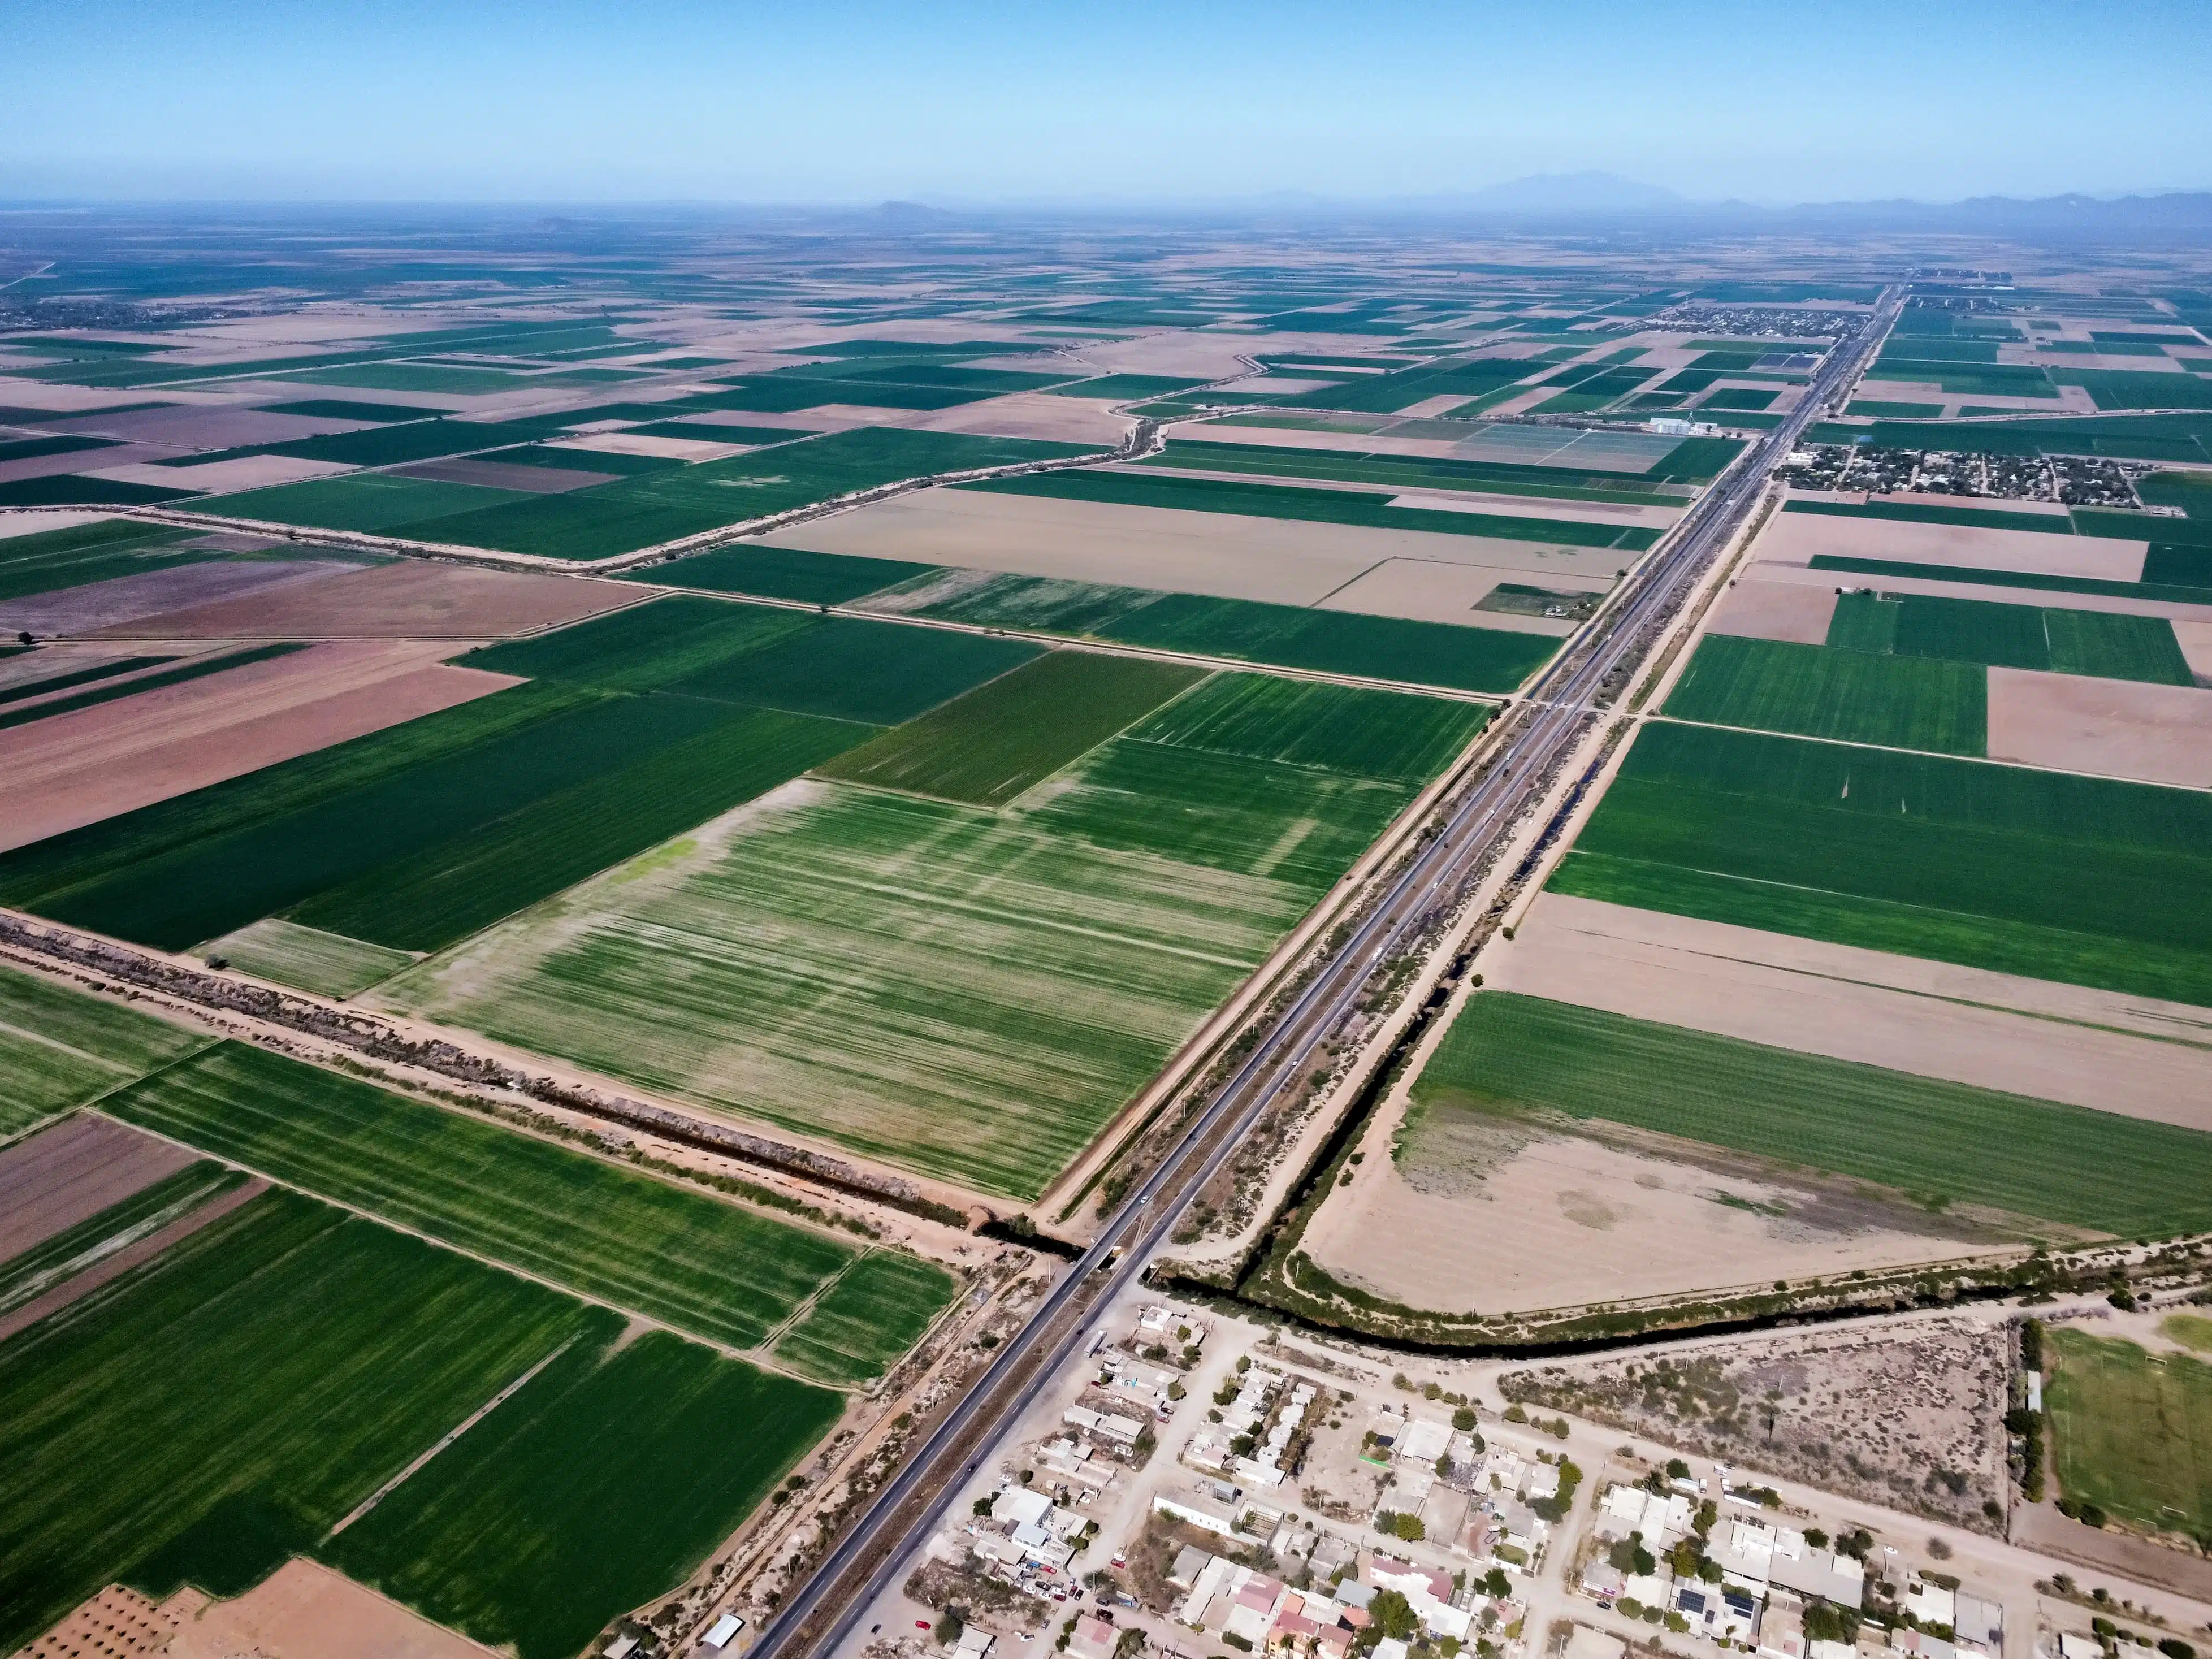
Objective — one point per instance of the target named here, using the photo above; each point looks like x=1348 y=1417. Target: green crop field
x=2131 y=1433
x=1271 y=501
x=54 y=1260
x=59 y=1047
x=1740 y=397
x=848 y=669
x=46 y=560
x=1816 y=691
x=1390 y=736
x=603 y=1481
x=995 y=990
x=2045 y=874
x=1876 y=409
x=2182 y=576
x=646 y=647
x=2117 y=389
x=994 y=743
x=2184 y=438
x=676 y=502
x=364 y=502
x=641 y=1244
x=307 y=958
x=864 y=1324
x=2108 y=645
x=200 y=1418
x=1942 y=1143
x=782 y=572
x=1416 y=472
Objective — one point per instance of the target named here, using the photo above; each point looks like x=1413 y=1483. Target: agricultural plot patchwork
x=1939 y=1143
x=60 y=1048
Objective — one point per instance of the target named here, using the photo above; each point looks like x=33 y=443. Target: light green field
x=329 y=964
x=953 y=990
x=59 y=1047
x=2131 y=1433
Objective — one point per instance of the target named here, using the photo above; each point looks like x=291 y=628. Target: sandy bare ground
x=304 y=1610
x=115 y=1623
x=1424 y=438
x=54 y=660
x=1428 y=592
x=2113 y=728
x=1443 y=403
x=60 y=398
x=408 y=600
x=202 y=426
x=2030 y=1037
x=506 y=475
x=1797 y=537
x=1829 y=581
x=125 y=456
x=30 y=524
x=1030 y=415
x=70 y=1172
x=1775 y=611
x=1553 y=1221
x=1281 y=561
x=77 y=769
x=2196 y=639
x=1493 y=502
x=808 y=420
x=87 y=609
x=244 y=472
x=640 y=443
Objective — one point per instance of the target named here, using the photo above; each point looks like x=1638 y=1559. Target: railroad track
x=822 y=1611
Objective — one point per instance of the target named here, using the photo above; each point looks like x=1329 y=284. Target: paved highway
x=821 y=1613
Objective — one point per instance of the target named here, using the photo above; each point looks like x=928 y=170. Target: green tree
x=1394 y=1616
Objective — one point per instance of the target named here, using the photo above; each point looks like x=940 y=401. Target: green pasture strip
x=47 y=560
x=2119 y=389
x=852 y=669
x=347 y=409
x=865 y=1322
x=2193 y=593
x=1415 y=473
x=2057 y=523
x=603 y=1482
x=1267 y=501
x=202 y=1418
x=1982 y=381
x=126 y=1222
x=63 y=682
x=653 y=507
x=644 y=648
x=1929 y=348
x=306 y=959
x=1336 y=642
x=1818 y=692
x=1392 y=736
x=25 y=449
x=1876 y=409
x=998 y=991
x=994 y=742
x=644 y=1245
x=1739 y=397
x=2124 y=525
x=1942 y=1143
x=2190 y=491
x=2107 y=645
x=60 y=1047
x=366 y=501
x=782 y=572
x=2130 y=1431
x=198 y=668
x=2046 y=874
x=2184 y=438
x=71 y=489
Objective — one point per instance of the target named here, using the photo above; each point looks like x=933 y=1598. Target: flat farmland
x=2102 y=644
x=865 y=1323
x=706 y=1267
x=1853 y=696
x=72 y=555
x=1937 y=1142
x=1389 y=735
x=2130 y=1431
x=197 y=1420
x=1211 y=452
x=2047 y=875
x=990 y=745
x=59 y=1047
x=782 y=572
x=602 y=1482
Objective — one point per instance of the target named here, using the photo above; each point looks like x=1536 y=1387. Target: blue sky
x=836 y=100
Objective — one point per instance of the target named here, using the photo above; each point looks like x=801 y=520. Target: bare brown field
x=2112 y=728
x=1798 y=538
x=1797 y=575
x=19 y=523
x=1284 y=561
x=702 y=448
x=78 y=611
x=70 y=1172
x=1429 y=592
x=1030 y=415
x=506 y=475
x=1798 y=613
x=409 y=599
x=244 y=472
x=206 y=426
x=305 y=1610
x=2196 y=639
x=46 y=467
x=77 y=769
x=2031 y=1037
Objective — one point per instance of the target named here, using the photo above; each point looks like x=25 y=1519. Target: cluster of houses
x=1430 y=1461
x=1246 y=1422
x=1769 y=1575
x=1258 y=1612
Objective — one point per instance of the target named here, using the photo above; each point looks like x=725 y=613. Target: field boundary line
x=805 y=1305
x=451 y=1435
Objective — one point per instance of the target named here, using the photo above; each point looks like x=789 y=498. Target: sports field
x=1940 y=1143
x=643 y=1245
x=2045 y=874
x=2131 y=1433
x=60 y=1048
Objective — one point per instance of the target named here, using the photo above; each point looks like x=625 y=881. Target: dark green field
x=865 y=1321
x=46 y=560
x=362 y=501
x=1266 y=501
x=1940 y=1143
x=644 y=1245
x=1740 y=397
x=781 y=572
x=2117 y=389
x=2130 y=1431
x=2104 y=644
x=1816 y=691
x=597 y=1486
x=2045 y=874
x=993 y=744
x=60 y=1048
x=205 y=1416
x=1387 y=735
